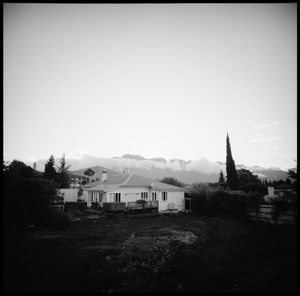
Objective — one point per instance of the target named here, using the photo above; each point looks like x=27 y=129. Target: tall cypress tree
x=232 y=179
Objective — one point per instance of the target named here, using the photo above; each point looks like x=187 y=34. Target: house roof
x=77 y=176
x=129 y=180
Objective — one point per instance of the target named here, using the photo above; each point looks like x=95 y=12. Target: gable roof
x=77 y=176
x=129 y=180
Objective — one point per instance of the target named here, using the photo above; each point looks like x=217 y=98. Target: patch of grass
x=122 y=254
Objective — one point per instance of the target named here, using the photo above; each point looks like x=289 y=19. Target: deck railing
x=122 y=206
x=152 y=204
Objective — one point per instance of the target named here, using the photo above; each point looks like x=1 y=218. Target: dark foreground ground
x=153 y=254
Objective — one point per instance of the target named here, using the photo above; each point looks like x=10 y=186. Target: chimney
x=125 y=171
x=104 y=176
x=34 y=166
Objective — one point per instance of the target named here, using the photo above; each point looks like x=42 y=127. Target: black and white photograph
x=150 y=147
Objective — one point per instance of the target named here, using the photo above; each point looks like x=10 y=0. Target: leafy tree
x=198 y=194
x=5 y=166
x=80 y=193
x=221 y=178
x=232 y=179
x=18 y=169
x=288 y=181
x=249 y=182
x=293 y=174
x=245 y=177
x=24 y=195
x=63 y=174
x=172 y=181
x=89 y=173
x=50 y=172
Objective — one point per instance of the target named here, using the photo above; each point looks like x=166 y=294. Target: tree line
x=27 y=192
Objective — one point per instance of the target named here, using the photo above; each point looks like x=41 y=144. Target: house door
x=117 y=197
x=154 y=196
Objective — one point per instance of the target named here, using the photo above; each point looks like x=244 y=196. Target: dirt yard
x=182 y=253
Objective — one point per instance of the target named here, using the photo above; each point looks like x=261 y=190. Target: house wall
x=133 y=194
x=175 y=198
x=128 y=194
x=87 y=196
x=70 y=195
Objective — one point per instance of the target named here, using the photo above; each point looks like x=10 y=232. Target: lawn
x=183 y=253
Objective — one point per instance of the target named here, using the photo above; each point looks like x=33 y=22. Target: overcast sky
x=160 y=80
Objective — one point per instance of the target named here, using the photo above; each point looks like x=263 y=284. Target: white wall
x=128 y=194
x=177 y=198
x=133 y=194
x=70 y=195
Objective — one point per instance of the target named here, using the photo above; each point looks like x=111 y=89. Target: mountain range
x=192 y=171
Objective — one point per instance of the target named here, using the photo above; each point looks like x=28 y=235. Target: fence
x=270 y=214
x=55 y=208
x=114 y=206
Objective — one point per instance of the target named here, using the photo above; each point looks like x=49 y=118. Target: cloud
x=262 y=139
x=32 y=158
x=266 y=125
x=271 y=147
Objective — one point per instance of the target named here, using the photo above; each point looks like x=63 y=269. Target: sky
x=159 y=80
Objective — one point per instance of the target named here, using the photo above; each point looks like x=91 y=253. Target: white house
x=130 y=188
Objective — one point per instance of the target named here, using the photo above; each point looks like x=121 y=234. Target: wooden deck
x=137 y=206
x=130 y=206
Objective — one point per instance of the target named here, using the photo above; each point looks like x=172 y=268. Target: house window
x=144 y=195
x=153 y=195
x=164 y=195
x=117 y=197
x=95 y=197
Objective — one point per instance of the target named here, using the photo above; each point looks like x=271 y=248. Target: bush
x=217 y=203
x=281 y=204
x=95 y=205
x=22 y=198
x=255 y=187
x=199 y=200
x=80 y=205
x=255 y=198
x=222 y=204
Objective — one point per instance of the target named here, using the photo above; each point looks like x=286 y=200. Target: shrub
x=255 y=187
x=217 y=203
x=199 y=200
x=22 y=198
x=255 y=198
x=79 y=205
x=221 y=203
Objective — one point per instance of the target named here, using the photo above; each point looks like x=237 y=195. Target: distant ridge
x=200 y=170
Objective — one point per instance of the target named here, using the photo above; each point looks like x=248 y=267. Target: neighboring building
x=285 y=194
x=130 y=188
x=76 y=180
